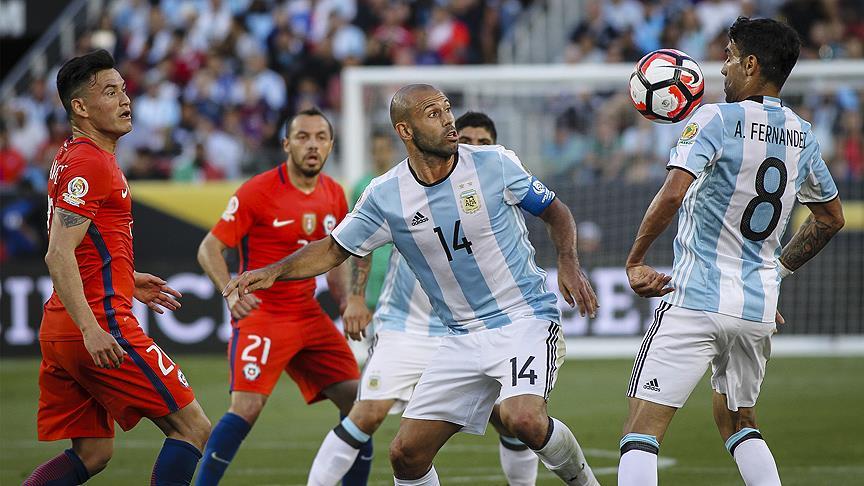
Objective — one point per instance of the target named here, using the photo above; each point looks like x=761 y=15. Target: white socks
x=518 y=462
x=563 y=456
x=335 y=457
x=638 y=464
x=430 y=479
x=753 y=457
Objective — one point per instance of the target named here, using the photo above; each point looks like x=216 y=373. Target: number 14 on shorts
x=524 y=372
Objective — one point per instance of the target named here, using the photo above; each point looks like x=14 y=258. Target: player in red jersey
x=282 y=328
x=98 y=366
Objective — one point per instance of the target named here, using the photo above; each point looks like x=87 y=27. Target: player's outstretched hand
x=647 y=282
x=250 y=281
x=356 y=317
x=156 y=293
x=103 y=348
x=576 y=289
x=242 y=306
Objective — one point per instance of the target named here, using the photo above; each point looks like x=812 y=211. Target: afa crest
x=374 y=382
x=309 y=221
x=470 y=201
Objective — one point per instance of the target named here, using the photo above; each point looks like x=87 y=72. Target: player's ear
x=78 y=107
x=404 y=131
x=751 y=65
x=285 y=145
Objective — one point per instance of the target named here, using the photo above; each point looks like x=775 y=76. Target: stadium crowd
x=214 y=80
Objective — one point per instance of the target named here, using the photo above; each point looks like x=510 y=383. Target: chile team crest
x=309 y=221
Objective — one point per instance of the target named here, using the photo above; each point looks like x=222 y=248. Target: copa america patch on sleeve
x=75 y=191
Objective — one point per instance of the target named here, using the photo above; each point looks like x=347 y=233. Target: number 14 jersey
x=750 y=159
x=464 y=237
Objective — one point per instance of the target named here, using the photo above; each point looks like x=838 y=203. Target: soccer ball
x=666 y=86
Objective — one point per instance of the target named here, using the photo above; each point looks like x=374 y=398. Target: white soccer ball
x=666 y=86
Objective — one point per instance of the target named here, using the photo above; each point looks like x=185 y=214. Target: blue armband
x=538 y=198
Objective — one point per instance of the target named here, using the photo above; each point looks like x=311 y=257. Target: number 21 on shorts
x=254 y=344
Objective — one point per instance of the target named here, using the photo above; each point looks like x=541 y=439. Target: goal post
x=574 y=127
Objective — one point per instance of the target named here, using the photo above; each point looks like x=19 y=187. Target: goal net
x=574 y=127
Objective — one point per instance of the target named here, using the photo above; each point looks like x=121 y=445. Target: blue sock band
x=176 y=464
x=512 y=443
x=80 y=470
x=221 y=448
x=639 y=442
x=738 y=437
x=354 y=432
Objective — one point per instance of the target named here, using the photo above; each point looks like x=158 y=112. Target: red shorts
x=309 y=348
x=78 y=399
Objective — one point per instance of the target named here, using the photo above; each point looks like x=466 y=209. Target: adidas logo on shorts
x=418 y=219
x=652 y=385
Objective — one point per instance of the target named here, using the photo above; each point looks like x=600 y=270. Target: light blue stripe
x=395 y=299
x=512 y=239
x=511 y=440
x=703 y=286
x=404 y=242
x=354 y=431
x=442 y=203
x=737 y=436
x=633 y=437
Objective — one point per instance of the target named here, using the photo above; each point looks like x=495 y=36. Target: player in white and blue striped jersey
x=407 y=336
x=734 y=177
x=453 y=213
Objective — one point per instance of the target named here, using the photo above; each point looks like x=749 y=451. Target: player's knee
x=529 y=427
x=200 y=431
x=407 y=459
x=248 y=407
x=95 y=457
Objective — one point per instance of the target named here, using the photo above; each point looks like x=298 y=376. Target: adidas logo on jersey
x=652 y=385
x=418 y=219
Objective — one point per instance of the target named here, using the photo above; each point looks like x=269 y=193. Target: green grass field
x=810 y=413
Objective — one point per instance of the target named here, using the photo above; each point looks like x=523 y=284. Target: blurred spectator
x=12 y=163
x=589 y=238
x=222 y=75
x=447 y=37
x=22 y=224
x=196 y=168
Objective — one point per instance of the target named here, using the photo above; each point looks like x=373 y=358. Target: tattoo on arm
x=360 y=274
x=811 y=237
x=70 y=219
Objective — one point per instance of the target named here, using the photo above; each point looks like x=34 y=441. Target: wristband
x=782 y=270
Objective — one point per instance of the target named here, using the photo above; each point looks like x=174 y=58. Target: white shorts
x=396 y=361
x=468 y=373
x=681 y=343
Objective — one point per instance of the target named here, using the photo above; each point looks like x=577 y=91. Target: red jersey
x=86 y=180
x=268 y=219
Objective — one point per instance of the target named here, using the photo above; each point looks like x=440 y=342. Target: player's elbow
x=53 y=257
x=210 y=246
x=838 y=221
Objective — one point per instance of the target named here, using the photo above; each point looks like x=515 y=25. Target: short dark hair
x=775 y=45
x=477 y=119
x=314 y=111
x=80 y=70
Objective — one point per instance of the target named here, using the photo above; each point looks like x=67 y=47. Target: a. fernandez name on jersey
x=762 y=132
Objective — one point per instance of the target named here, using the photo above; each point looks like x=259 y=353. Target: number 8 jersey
x=750 y=160
x=464 y=237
